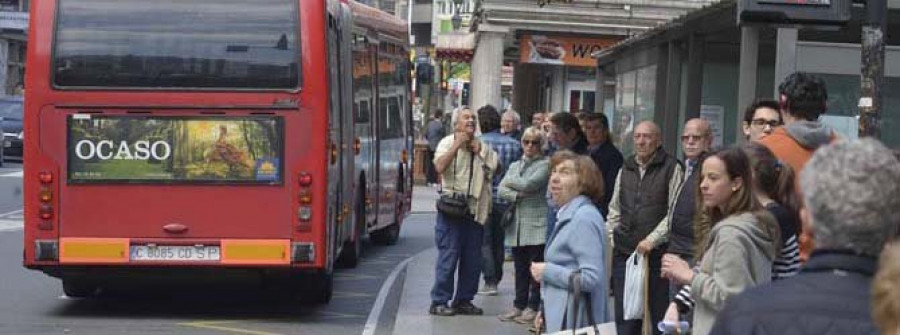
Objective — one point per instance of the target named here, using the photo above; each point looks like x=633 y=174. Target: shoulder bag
x=456 y=205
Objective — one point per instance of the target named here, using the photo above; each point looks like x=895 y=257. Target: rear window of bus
x=206 y=44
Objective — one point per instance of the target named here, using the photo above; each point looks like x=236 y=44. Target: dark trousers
x=658 y=294
x=459 y=244
x=528 y=291
x=492 y=248
x=430 y=171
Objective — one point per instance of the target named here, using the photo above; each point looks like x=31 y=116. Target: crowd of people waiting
x=780 y=234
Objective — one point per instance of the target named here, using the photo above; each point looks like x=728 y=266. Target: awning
x=455 y=47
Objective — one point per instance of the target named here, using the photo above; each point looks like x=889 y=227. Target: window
x=177 y=43
x=581 y=101
x=635 y=93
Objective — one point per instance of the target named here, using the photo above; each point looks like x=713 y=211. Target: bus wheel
x=78 y=288
x=387 y=235
x=352 y=250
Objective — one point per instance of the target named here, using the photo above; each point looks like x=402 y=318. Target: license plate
x=175 y=253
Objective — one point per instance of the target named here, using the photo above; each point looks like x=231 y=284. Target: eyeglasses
x=762 y=123
x=692 y=137
x=531 y=142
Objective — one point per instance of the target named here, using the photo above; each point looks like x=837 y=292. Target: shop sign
x=562 y=50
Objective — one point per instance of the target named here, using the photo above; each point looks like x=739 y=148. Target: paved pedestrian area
x=412 y=314
x=413 y=317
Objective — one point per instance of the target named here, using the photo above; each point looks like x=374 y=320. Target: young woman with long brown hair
x=741 y=243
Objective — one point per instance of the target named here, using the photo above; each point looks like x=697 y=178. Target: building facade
x=703 y=64
x=13 y=43
x=550 y=45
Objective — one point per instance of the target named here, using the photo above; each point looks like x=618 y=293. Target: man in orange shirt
x=801 y=100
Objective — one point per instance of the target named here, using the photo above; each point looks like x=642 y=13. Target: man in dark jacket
x=645 y=187
x=603 y=153
x=567 y=134
x=851 y=201
x=696 y=140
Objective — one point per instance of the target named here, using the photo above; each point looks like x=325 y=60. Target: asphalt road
x=33 y=303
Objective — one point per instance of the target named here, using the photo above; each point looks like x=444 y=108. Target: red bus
x=181 y=139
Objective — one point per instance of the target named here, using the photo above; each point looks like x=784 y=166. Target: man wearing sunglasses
x=760 y=119
x=696 y=141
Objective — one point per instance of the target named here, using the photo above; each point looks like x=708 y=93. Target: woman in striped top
x=774 y=188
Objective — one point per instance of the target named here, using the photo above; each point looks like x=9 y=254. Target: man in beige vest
x=467 y=167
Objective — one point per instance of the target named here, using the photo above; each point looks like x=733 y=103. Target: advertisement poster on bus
x=175 y=149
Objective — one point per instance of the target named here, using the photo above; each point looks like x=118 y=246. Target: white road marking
x=17 y=174
x=11 y=221
x=378 y=306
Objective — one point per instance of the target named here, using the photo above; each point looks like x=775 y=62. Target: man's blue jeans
x=492 y=253
x=459 y=253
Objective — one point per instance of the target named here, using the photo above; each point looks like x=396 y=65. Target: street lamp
x=457 y=19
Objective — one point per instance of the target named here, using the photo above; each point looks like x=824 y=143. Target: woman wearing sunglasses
x=525 y=184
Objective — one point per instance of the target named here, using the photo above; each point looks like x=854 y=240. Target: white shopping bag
x=635 y=285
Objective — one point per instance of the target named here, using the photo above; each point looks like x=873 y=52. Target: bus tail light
x=45 y=177
x=305 y=179
x=46 y=212
x=404 y=156
x=305 y=196
x=357 y=146
x=45 y=195
x=304 y=213
x=45 y=225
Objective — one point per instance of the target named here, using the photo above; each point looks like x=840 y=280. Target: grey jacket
x=578 y=242
x=739 y=256
x=526 y=180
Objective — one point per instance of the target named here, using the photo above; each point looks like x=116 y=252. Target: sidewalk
x=412 y=315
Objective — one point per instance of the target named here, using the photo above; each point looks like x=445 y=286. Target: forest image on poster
x=202 y=149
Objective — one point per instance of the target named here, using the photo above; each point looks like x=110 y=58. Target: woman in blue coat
x=577 y=243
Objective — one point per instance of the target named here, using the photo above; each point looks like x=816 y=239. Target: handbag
x=455 y=205
x=575 y=295
x=509 y=216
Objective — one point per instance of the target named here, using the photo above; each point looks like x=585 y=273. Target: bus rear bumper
x=132 y=253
